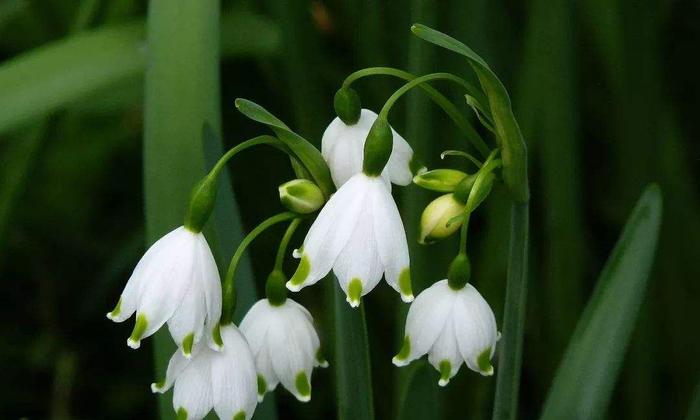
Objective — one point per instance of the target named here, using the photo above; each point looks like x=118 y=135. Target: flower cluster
x=357 y=234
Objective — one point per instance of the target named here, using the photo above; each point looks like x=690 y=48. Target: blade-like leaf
x=352 y=366
x=586 y=377
x=420 y=399
x=304 y=151
x=510 y=140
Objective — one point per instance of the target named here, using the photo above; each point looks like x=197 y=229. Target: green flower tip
x=354 y=292
x=116 y=311
x=405 y=285
x=297 y=281
x=134 y=340
x=320 y=360
x=262 y=388
x=303 y=387
x=181 y=414
x=216 y=337
x=187 y=344
x=445 y=372
x=400 y=359
x=158 y=386
x=484 y=363
x=239 y=416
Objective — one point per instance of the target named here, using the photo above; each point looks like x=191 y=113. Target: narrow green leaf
x=304 y=151
x=694 y=408
x=586 y=377
x=510 y=140
x=352 y=366
x=181 y=95
x=64 y=72
x=511 y=344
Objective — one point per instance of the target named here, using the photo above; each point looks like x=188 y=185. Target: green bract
x=440 y=180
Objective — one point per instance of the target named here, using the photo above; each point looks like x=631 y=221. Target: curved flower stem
x=279 y=259
x=255 y=141
x=447 y=106
x=229 y=289
x=489 y=166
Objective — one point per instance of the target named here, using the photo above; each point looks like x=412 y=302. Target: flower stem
x=229 y=289
x=255 y=141
x=279 y=259
x=447 y=106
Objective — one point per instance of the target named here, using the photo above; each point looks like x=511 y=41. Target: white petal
x=294 y=355
x=445 y=349
x=342 y=146
x=193 y=390
x=330 y=232
x=398 y=167
x=233 y=377
x=176 y=365
x=475 y=328
x=189 y=317
x=254 y=327
x=426 y=318
x=129 y=297
x=211 y=283
x=166 y=280
x=359 y=259
x=391 y=240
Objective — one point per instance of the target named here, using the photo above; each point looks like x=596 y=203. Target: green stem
x=511 y=345
x=463 y=232
x=265 y=139
x=282 y=250
x=229 y=289
x=440 y=100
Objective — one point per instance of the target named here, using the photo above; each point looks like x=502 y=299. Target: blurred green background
x=606 y=92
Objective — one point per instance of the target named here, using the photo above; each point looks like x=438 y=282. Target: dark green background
x=607 y=95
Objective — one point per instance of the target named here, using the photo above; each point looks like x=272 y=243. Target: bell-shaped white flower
x=223 y=380
x=359 y=234
x=285 y=346
x=177 y=282
x=451 y=326
x=342 y=147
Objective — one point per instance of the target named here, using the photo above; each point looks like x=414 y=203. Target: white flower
x=342 y=146
x=222 y=380
x=359 y=234
x=177 y=282
x=452 y=326
x=285 y=346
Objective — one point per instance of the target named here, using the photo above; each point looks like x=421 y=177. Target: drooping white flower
x=451 y=326
x=285 y=346
x=223 y=380
x=342 y=147
x=177 y=282
x=359 y=234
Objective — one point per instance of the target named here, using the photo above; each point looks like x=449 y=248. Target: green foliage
x=584 y=382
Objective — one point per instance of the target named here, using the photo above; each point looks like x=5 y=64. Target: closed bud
x=347 y=105
x=480 y=190
x=441 y=180
x=301 y=196
x=440 y=218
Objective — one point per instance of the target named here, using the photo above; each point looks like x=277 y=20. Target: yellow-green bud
x=347 y=105
x=437 y=221
x=441 y=180
x=301 y=196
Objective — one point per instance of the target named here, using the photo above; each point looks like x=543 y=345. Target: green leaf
x=314 y=166
x=511 y=344
x=420 y=398
x=182 y=94
x=352 y=366
x=510 y=140
x=586 y=377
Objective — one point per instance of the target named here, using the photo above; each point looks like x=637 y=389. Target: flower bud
x=347 y=105
x=301 y=196
x=441 y=180
x=437 y=222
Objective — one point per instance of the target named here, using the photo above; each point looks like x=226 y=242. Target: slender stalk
x=282 y=250
x=181 y=95
x=511 y=344
x=256 y=141
x=440 y=100
x=229 y=287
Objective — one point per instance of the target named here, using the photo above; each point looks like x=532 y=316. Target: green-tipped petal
x=181 y=414
x=405 y=285
x=402 y=356
x=187 y=344
x=262 y=387
x=354 y=292
x=445 y=372
x=134 y=340
x=116 y=311
x=296 y=282
x=239 y=416
x=303 y=387
x=484 y=363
